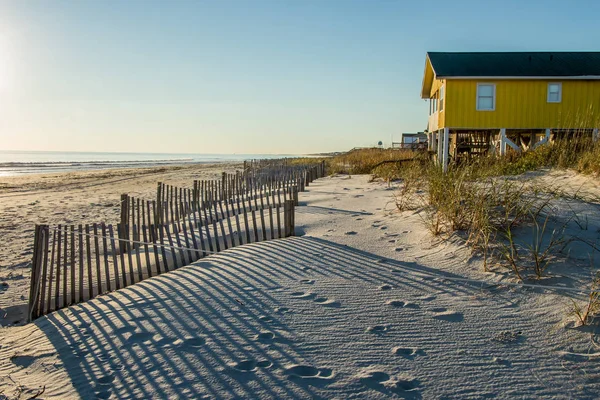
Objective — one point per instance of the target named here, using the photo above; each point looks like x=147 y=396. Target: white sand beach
x=70 y=198
x=363 y=303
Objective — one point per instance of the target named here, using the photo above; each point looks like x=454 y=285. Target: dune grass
x=480 y=201
x=384 y=163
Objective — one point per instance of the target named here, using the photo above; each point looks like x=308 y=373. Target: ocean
x=41 y=162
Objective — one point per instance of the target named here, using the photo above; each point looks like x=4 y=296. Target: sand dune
x=383 y=312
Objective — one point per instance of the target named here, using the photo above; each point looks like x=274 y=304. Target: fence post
x=286 y=218
x=124 y=231
x=40 y=246
x=195 y=196
x=159 y=204
x=289 y=220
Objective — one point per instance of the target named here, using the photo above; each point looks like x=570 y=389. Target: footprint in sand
x=265 y=318
x=326 y=302
x=265 y=336
x=447 y=315
x=385 y=287
x=105 y=380
x=358 y=219
x=399 y=249
x=307 y=281
x=249 y=365
x=391 y=241
x=304 y=295
x=138 y=338
x=282 y=310
x=350 y=233
x=26 y=361
x=407 y=352
x=401 y=304
x=308 y=372
x=382 y=381
x=378 y=329
x=383 y=228
x=103 y=357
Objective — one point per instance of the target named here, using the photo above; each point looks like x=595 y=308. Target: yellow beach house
x=486 y=102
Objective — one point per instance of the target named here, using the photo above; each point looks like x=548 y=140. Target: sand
x=364 y=303
x=70 y=198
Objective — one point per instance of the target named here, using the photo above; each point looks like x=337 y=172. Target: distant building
x=482 y=102
x=412 y=141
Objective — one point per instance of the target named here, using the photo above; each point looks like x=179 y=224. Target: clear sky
x=246 y=76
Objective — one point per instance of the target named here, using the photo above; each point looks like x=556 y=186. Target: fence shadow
x=219 y=327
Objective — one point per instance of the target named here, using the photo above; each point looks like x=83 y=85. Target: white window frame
x=493 y=85
x=441 y=100
x=559 y=92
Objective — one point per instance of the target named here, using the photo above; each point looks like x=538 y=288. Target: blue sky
x=246 y=76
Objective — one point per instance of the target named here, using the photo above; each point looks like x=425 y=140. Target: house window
x=442 y=98
x=554 y=92
x=435 y=103
x=486 y=97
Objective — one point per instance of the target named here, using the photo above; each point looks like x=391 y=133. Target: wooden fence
x=72 y=264
x=214 y=198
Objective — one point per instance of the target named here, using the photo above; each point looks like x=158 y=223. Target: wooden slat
x=262 y=217
x=50 y=275
x=106 y=264
x=98 y=267
x=181 y=252
x=130 y=262
x=89 y=262
x=40 y=246
x=205 y=243
x=145 y=237
x=188 y=244
x=172 y=246
x=115 y=259
x=228 y=223
x=270 y=211
x=215 y=231
x=81 y=262
x=139 y=223
x=163 y=250
x=154 y=238
x=197 y=254
x=237 y=218
x=253 y=214
x=122 y=251
x=138 y=259
x=66 y=265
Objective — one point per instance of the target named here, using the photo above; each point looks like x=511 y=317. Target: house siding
x=522 y=104
x=436 y=120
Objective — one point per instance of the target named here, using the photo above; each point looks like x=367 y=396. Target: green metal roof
x=516 y=64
